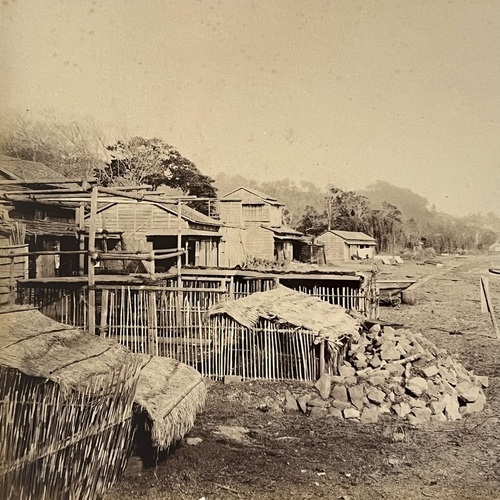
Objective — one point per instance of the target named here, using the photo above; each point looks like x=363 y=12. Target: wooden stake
x=91 y=270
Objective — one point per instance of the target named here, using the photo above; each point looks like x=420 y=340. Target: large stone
x=376 y=380
x=439 y=406
x=477 y=406
x=318 y=403
x=336 y=412
x=419 y=416
x=433 y=390
x=324 y=385
x=376 y=395
x=439 y=417
x=375 y=362
x=337 y=379
x=467 y=392
x=452 y=410
x=416 y=385
x=416 y=402
x=389 y=352
x=356 y=394
x=480 y=381
x=302 y=402
x=340 y=405
x=351 y=413
x=449 y=375
x=369 y=415
x=350 y=381
x=402 y=409
x=404 y=345
x=346 y=371
x=339 y=393
x=398 y=390
x=430 y=371
x=318 y=412
x=290 y=401
x=395 y=369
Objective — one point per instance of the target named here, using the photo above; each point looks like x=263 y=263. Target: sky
x=341 y=92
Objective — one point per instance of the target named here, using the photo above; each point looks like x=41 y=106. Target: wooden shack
x=347 y=245
x=146 y=225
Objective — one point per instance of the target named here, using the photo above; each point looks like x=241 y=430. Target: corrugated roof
x=24 y=170
x=354 y=236
x=290 y=308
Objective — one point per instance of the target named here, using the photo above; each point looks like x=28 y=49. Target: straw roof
x=170 y=392
x=290 y=308
x=41 y=347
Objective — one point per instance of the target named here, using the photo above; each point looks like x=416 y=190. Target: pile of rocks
x=390 y=371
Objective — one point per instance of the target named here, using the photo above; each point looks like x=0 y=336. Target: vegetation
x=397 y=218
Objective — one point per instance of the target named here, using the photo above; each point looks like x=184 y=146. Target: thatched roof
x=170 y=392
x=290 y=308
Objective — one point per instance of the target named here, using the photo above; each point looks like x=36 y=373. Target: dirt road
x=288 y=455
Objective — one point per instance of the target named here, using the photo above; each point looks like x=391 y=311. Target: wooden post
x=489 y=307
x=103 y=330
x=152 y=324
x=81 y=239
x=12 y=283
x=91 y=256
x=180 y=297
x=321 y=358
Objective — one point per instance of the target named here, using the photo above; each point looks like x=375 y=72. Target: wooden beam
x=20 y=182
x=91 y=270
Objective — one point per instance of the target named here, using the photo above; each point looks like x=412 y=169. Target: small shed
x=280 y=334
x=68 y=397
x=347 y=245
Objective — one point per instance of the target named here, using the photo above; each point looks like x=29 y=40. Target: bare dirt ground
x=288 y=455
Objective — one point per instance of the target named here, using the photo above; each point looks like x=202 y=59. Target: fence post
x=152 y=324
x=103 y=330
x=12 y=282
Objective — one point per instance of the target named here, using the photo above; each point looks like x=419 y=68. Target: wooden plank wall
x=10 y=272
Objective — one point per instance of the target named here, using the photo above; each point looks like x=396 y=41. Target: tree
x=153 y=161
x=71 y=148
x=312 y=223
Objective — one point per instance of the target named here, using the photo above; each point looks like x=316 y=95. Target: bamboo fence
x=66 y=443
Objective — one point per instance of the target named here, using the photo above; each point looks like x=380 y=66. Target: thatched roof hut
x=287 y=307
x=280 y=334
x=66 y=392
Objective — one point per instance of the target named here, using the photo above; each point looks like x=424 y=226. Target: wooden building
x=347 y=245
x=257 y=229
x=42 y=225
x=145 y=226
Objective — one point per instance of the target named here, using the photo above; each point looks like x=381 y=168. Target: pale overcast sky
x=340 y=92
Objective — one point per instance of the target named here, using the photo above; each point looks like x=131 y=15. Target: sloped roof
x=170 y=392
x=187 y=213
x=191 y=214
x=354 y=237
x=260 y=194
x=290 y=308
x=284 y=232
x=24 y=170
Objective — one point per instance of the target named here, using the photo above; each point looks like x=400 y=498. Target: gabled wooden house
x=145 y=226
x=257 y=228
x=347 y=245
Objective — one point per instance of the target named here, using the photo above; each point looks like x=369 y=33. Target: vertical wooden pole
x=12 y=283
x=91 y=271
x=152 y=325
x=81 y=239
x=103 y=330
x=322 y=358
